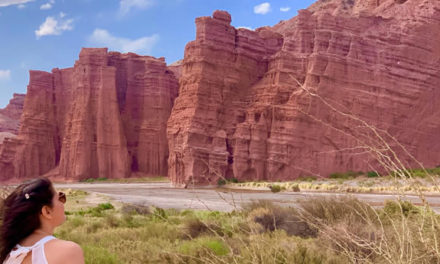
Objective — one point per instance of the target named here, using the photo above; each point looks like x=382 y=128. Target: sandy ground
x=165 y=196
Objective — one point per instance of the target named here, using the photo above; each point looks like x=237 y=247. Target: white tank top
x=38 y=257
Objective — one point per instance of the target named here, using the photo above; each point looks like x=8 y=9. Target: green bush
x=95 y=211
x=275 y=188
x=221 y=182
x=193 y=228
x=295 y=188
x=264 y=216
x=346 y=175
x=217 y=247
x=105 y=206
x=234 y=180
x=203 y=248
x=333 y=210
x=372 y=174
x=160 y=214
x=393 y=208
x=91 y=180
x=306 y=178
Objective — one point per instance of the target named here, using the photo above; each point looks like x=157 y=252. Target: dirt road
x=165 y=196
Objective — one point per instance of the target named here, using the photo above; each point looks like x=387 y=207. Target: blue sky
x=46 y=34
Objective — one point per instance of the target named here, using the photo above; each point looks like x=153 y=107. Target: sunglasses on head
x=62 y=197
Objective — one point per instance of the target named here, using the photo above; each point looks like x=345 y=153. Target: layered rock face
x=105 y=117
x=345 y=85
x=10 y=115
x=219 y=69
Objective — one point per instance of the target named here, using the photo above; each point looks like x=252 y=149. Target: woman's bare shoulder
x=62 y=251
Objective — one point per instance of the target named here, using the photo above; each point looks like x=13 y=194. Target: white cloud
x=103 y=37
x=21 y=6
x=125 y=6
x=245 y=28
x=47 y=5
x=262 y=9
x=4 y=3
x=54 y=26
x=5 y=75
x=285 y=9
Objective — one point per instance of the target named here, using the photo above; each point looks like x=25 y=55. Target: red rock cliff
x=10 y=115
x=301 y=98
x=105 y=117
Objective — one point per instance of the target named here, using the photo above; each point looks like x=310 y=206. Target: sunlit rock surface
x=340 y=87
x=104 y=117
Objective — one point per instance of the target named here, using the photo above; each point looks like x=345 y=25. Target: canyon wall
x=10 y=115
x=104 y=117
x=343 y=86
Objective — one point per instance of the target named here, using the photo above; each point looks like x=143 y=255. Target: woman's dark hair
x=21 y=212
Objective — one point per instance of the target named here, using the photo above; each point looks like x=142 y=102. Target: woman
x=30 y=215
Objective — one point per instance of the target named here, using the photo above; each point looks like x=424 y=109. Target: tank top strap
x=38 y=254
x=17 y=255
x=44 y=240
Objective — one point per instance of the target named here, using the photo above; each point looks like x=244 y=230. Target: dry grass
x=319 y=230
x=353 y=185
x=131 y=234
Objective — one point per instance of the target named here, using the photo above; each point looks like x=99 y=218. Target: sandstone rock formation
x=104 y=117
x=176 y=68
x=342 y=86
x=345 y=85
x=10 y=115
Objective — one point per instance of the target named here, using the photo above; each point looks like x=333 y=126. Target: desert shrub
x=256 y=204
x=278 y=247
x=399 y=208
x=135 y=209
x=194 y=228
x=159 y=214
x=398 y=231
x=221 y=182
x=203 y=248
x=372 y=174
x=435 y=171
x=338 y=175
x=332 y=210
x=307 y=254
x=234 y=180
x=346 y=175
x=105 y=206
x=112 y=220
x=91 y=180
x=275 y=188
x=217 y=247
x=306 y=178
x=267 y=217
x=344 y=224
x=423 y=173
x=295 y=188
x=97 y=211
